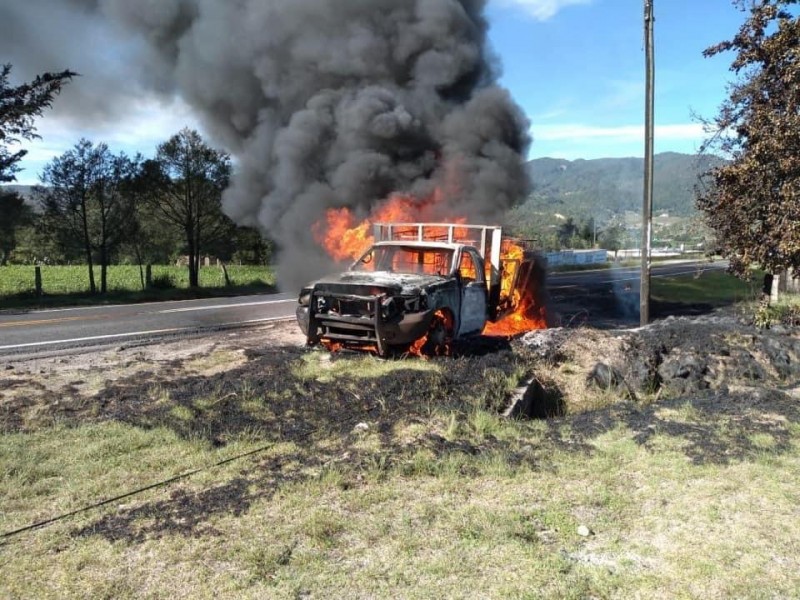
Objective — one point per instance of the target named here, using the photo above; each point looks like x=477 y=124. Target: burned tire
x=440 y=335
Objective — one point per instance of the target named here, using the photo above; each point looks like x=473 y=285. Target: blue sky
x=576 y=67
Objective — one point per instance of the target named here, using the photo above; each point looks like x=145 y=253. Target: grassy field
x=375 y=491
x=712 y=287
x=70 y=284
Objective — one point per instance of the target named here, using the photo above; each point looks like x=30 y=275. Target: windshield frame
x=407 y=259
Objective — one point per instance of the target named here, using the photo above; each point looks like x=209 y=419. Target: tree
x=87 y=198
x=18 y=107
x=588 y=232
x=752 y=202
x=153 y=240
x=251 y=247
x=612 y=237
x=36 y=244
x=568 y=233
x=14 y=214
x=184 y=184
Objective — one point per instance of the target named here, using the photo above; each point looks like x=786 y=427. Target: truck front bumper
x=359 y=331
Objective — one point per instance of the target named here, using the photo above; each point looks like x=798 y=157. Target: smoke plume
x=324 y=103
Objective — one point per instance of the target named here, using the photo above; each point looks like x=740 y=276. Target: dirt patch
x=257 y=380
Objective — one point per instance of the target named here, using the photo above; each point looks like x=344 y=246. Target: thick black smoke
x=328 y=103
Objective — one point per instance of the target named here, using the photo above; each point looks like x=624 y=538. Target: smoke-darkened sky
x=324 y=104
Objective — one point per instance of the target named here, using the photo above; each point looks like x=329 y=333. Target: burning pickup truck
x=422 y=285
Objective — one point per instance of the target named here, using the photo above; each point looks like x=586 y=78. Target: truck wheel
x=440 y=334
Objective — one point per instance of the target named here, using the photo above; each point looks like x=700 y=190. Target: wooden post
x=647 y=202
x=37 y=275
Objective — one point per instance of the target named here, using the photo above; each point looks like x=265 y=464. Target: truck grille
x=347 y=318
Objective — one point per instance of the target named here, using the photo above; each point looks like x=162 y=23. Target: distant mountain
x=616 y=185
x=596 y=187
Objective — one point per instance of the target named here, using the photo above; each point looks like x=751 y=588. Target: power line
x=9 y=534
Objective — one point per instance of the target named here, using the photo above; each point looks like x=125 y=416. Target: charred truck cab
x=426 y=282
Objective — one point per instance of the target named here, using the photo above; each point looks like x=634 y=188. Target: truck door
x=473 y=292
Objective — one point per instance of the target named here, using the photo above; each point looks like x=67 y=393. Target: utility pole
x=647 y=203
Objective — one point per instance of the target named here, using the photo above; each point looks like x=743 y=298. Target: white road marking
x=141 y=305
x=135 y=333
x=194 y=308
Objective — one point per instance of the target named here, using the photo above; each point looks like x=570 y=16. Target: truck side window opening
x=441 y=263
x=466 y=268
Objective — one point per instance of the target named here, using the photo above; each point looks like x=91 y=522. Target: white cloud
x=542 y=10
x=151 y=123
x=624 y=133
x=572 y=141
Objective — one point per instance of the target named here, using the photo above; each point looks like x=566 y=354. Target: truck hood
x=403 y=283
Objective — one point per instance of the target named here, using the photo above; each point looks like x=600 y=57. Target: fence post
x=148 y=276
x=38 y=280
x=793 y=284
x=775 y=289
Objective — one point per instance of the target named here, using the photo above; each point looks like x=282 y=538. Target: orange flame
x=334 y=347
x=344 y=238
x=418 y=347
x=528 y=310
x=341 y=237
x=527 y=317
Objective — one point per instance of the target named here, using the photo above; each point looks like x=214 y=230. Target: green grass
x=444 y=502
x=711 y=287
x=785 y=311
x=628 y=262
x=64 y=285
x=432 y=526
x=324 y=367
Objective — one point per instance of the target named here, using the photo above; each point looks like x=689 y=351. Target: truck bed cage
x=486 y=238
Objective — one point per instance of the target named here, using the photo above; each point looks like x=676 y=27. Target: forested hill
x=581 y=187
x=23 y=190
x=584 y=186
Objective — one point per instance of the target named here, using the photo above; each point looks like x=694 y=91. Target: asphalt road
x=42 y=330
x=628 y=275
x=46 y=330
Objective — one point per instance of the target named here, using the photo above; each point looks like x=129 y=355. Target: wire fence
x=27 y=280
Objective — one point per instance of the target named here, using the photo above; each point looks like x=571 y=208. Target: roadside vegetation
x=68 y=285
x=373 y=478
x=711 y=288
x=104 y=211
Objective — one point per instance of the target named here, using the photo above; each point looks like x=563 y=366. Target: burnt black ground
x=604 y=307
